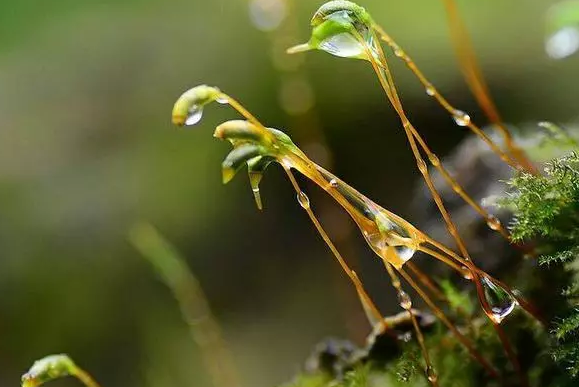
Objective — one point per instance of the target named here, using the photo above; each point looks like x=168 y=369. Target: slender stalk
x=442 y=317
x=195 y=309
x=85 y=378
x=477 y=84
x=406 y=303
x=374 y=316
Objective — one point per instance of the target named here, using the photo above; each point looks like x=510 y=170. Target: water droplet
x=335 y=34
x=194 y=115
x=344 y=45
x=222 y=100
x=257 y=197
x=404 y=300
x=430 y=90
x=398 y=52
x=390 y=240
x=267 y=15
x=466 y=273
x=499 y=300
x=563 y=43
x=494 y=223
x=304 y=200
x=431 y=374
x=461 y=118
x=389 y=237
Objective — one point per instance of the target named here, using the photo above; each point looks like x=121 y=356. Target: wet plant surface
x=484 y=275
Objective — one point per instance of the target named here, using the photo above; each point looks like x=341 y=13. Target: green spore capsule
x=341 y=28
x=188 y=110
x=47 y=369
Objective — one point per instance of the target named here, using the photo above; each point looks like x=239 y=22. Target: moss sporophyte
x=392 y=238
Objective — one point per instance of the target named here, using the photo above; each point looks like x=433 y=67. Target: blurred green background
x=87 y=149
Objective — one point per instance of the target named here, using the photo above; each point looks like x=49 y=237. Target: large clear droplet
x=257 y=197
x=461 y=118
x=194 y=115
x=387 y=236
x=499 y=300
x=343 y=45
x=563 y=43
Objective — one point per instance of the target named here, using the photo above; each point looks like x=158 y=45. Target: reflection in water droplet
x=461 y=118
x=388 y=237
x=304 y=200
x=267 y=15
x=494 y=223
x=404 y=300
x=466 y=273
x=563 y=43
x=257 y=196
x=343 y=45
x=431 y=374
x=430 y=90
x=500 y=302
x=194 y=115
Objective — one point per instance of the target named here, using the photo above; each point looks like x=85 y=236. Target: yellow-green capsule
x=188 y=110
x=356 y=12
x=240 y=130
x=47 y=369
x=341 y=28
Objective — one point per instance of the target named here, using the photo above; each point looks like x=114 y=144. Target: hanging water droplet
x=430 y=90
x=194 y=115
x=398 y=52
x=391 y=238
x=466 y=273
x=499 y=300
x=342 y=32
x=431 y=374
x=563 y=43
x=461 y=118
x=344 y=45
x=257 y=197
x=494 y=223
x=222 y=100
x=304 y=200
x=404 y=300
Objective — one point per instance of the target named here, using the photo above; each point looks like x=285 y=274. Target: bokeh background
x=87 y=149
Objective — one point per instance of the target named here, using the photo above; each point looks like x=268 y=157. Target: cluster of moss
x=545 y=225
